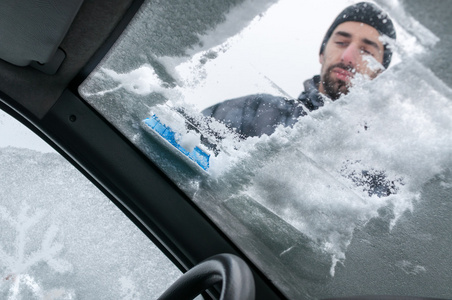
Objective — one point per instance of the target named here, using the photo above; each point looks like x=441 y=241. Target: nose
x=350 y=55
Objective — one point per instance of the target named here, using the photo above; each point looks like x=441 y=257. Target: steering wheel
x=234 y=274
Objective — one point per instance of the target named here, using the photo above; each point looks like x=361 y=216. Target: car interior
x=48 y=49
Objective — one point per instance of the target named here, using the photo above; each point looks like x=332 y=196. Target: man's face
x=344 y=56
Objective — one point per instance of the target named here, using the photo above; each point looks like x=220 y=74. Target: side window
x=60 y=238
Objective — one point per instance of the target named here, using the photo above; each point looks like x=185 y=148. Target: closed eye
x=339 y=43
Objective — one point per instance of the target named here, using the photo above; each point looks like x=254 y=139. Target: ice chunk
x=372 y=63
x=190 y=140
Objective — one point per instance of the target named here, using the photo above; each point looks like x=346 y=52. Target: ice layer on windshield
x=367 y=156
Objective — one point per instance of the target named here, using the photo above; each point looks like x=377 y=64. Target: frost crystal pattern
x=61 y=239
x=17 y=264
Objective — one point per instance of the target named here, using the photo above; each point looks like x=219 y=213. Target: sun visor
x=31 y=31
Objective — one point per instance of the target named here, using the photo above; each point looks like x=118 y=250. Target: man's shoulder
x=311 y=97
x=249 y=101
x=256 y=114
x=254 y=102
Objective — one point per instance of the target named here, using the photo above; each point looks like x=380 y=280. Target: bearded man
x=356 y=43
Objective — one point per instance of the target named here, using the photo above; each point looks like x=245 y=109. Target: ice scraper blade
x=197 y=155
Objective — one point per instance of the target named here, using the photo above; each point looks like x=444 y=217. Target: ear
x=321 y=58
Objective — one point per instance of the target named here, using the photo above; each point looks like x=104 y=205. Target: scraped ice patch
x=221 y=36
x=205 y=66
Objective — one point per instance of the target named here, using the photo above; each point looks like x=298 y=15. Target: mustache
x=343 y=66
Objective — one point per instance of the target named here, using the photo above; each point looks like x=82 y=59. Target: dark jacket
x=259 y=114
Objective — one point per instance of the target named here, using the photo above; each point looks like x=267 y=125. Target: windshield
x=351 y=198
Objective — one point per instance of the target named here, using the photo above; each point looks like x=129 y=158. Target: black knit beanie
x=369 y=14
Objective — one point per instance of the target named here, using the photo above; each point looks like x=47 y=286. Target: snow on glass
x=62 y=239
x=17 y=265
x=336 y=169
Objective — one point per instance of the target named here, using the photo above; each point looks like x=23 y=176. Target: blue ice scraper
x=199 y=156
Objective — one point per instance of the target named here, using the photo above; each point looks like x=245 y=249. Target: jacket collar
x=311 y=96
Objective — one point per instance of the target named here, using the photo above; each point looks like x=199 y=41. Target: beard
x=334 y=87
